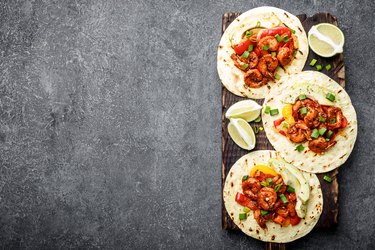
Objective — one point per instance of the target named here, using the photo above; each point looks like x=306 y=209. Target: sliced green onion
x=258 y=24
x=302 y=97
x=330 y=97
x=246 y=209
x=329 y=134
x=300 y=148
x=249 y=34
x=269 y=180
x=277 y=76
x=322 y=119
x=277 y=187
x=245 y=54
x=245 y=177
x=312 y=63
x=295 y=52
x=250 y=48
x=261 y=128
x=290 y=189
x=303 y=111
x=264 y=184
x=327 y=139
x=266 y=47
x=274 y=112
x=286 y=39
x=278 y=38
x=315 y=133
x=243 y=216
x=258 y=119
x=283 y=198
x=285 y=125
x=273 y=54
x=332 y=120
x=256 y=129
x=264 y=212
x=267 y=110
x=327 y=178
x=319 y=67
x=292 y=30
x=328 y=67
x=244 y=66
x=322 y=131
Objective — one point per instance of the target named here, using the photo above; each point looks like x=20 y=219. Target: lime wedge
x=247 y=110
x=326 y=39
x=241 y=133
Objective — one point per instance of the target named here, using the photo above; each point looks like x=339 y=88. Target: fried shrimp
x=267 y=198
x=254 y=79
x=335 y=117
x=267 y=65
x=269 y=42
x=285 y=56
x=251 y=188
x=298 y=132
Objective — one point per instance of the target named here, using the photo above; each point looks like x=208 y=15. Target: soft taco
x=310 y=120
x=260 y=46
x=270 y=199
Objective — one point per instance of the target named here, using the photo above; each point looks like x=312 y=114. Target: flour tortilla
x=318 y=84
x=274 y=232
x=233 y=78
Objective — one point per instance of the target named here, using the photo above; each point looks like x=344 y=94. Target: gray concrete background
x=110 y=125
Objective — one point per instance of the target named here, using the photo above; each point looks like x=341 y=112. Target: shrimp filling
x=270 y=199
x=307 y=120
x=262 y=51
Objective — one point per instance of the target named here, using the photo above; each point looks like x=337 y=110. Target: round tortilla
x=274 y=232
x=232 y=77
x=308 y=160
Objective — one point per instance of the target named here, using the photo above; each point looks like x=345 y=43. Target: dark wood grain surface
x=231 y=152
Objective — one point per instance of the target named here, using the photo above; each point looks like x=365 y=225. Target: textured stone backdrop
x=110 y=125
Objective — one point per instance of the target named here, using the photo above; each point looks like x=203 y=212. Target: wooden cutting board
x=231 y=152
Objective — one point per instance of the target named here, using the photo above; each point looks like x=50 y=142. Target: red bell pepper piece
x=242 y=46
x=246 y=201
x=276 y=31
x=295 y=220
x=344 y=122
x=278 y=121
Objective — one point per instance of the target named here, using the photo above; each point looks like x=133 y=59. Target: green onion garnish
x=274 y=112
x=328 y=67
x=264 y=212
x=245 y=177
x=249 y=34
x=303 y=111
x=246 y=209
x=327 y=139
x=250 y=48
x=243 y=216
x=256 y=129
x=277 y=76
x=322 y=119
x=330 y=97
x=300 y=148
x=266 y=47
x=315 y=133
x=302 y=97
x=285 y=125
x=292 y=30
x=278 y=38
x=269 y=180
x=322 y=131
x=245 y=54
x=258 y=119
x=295 y=52
x=261 y=128
x=286 y=39
x=264 y=184
x=267 y=110
x=312 y=63
x=319 y=67
x=329 y=134
x=332 y=120
x=258 y=24
x=277 y=187
x=273 y=54
x=290 y=189
x=244 y=66
x=327 y=178
x=283 y=198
